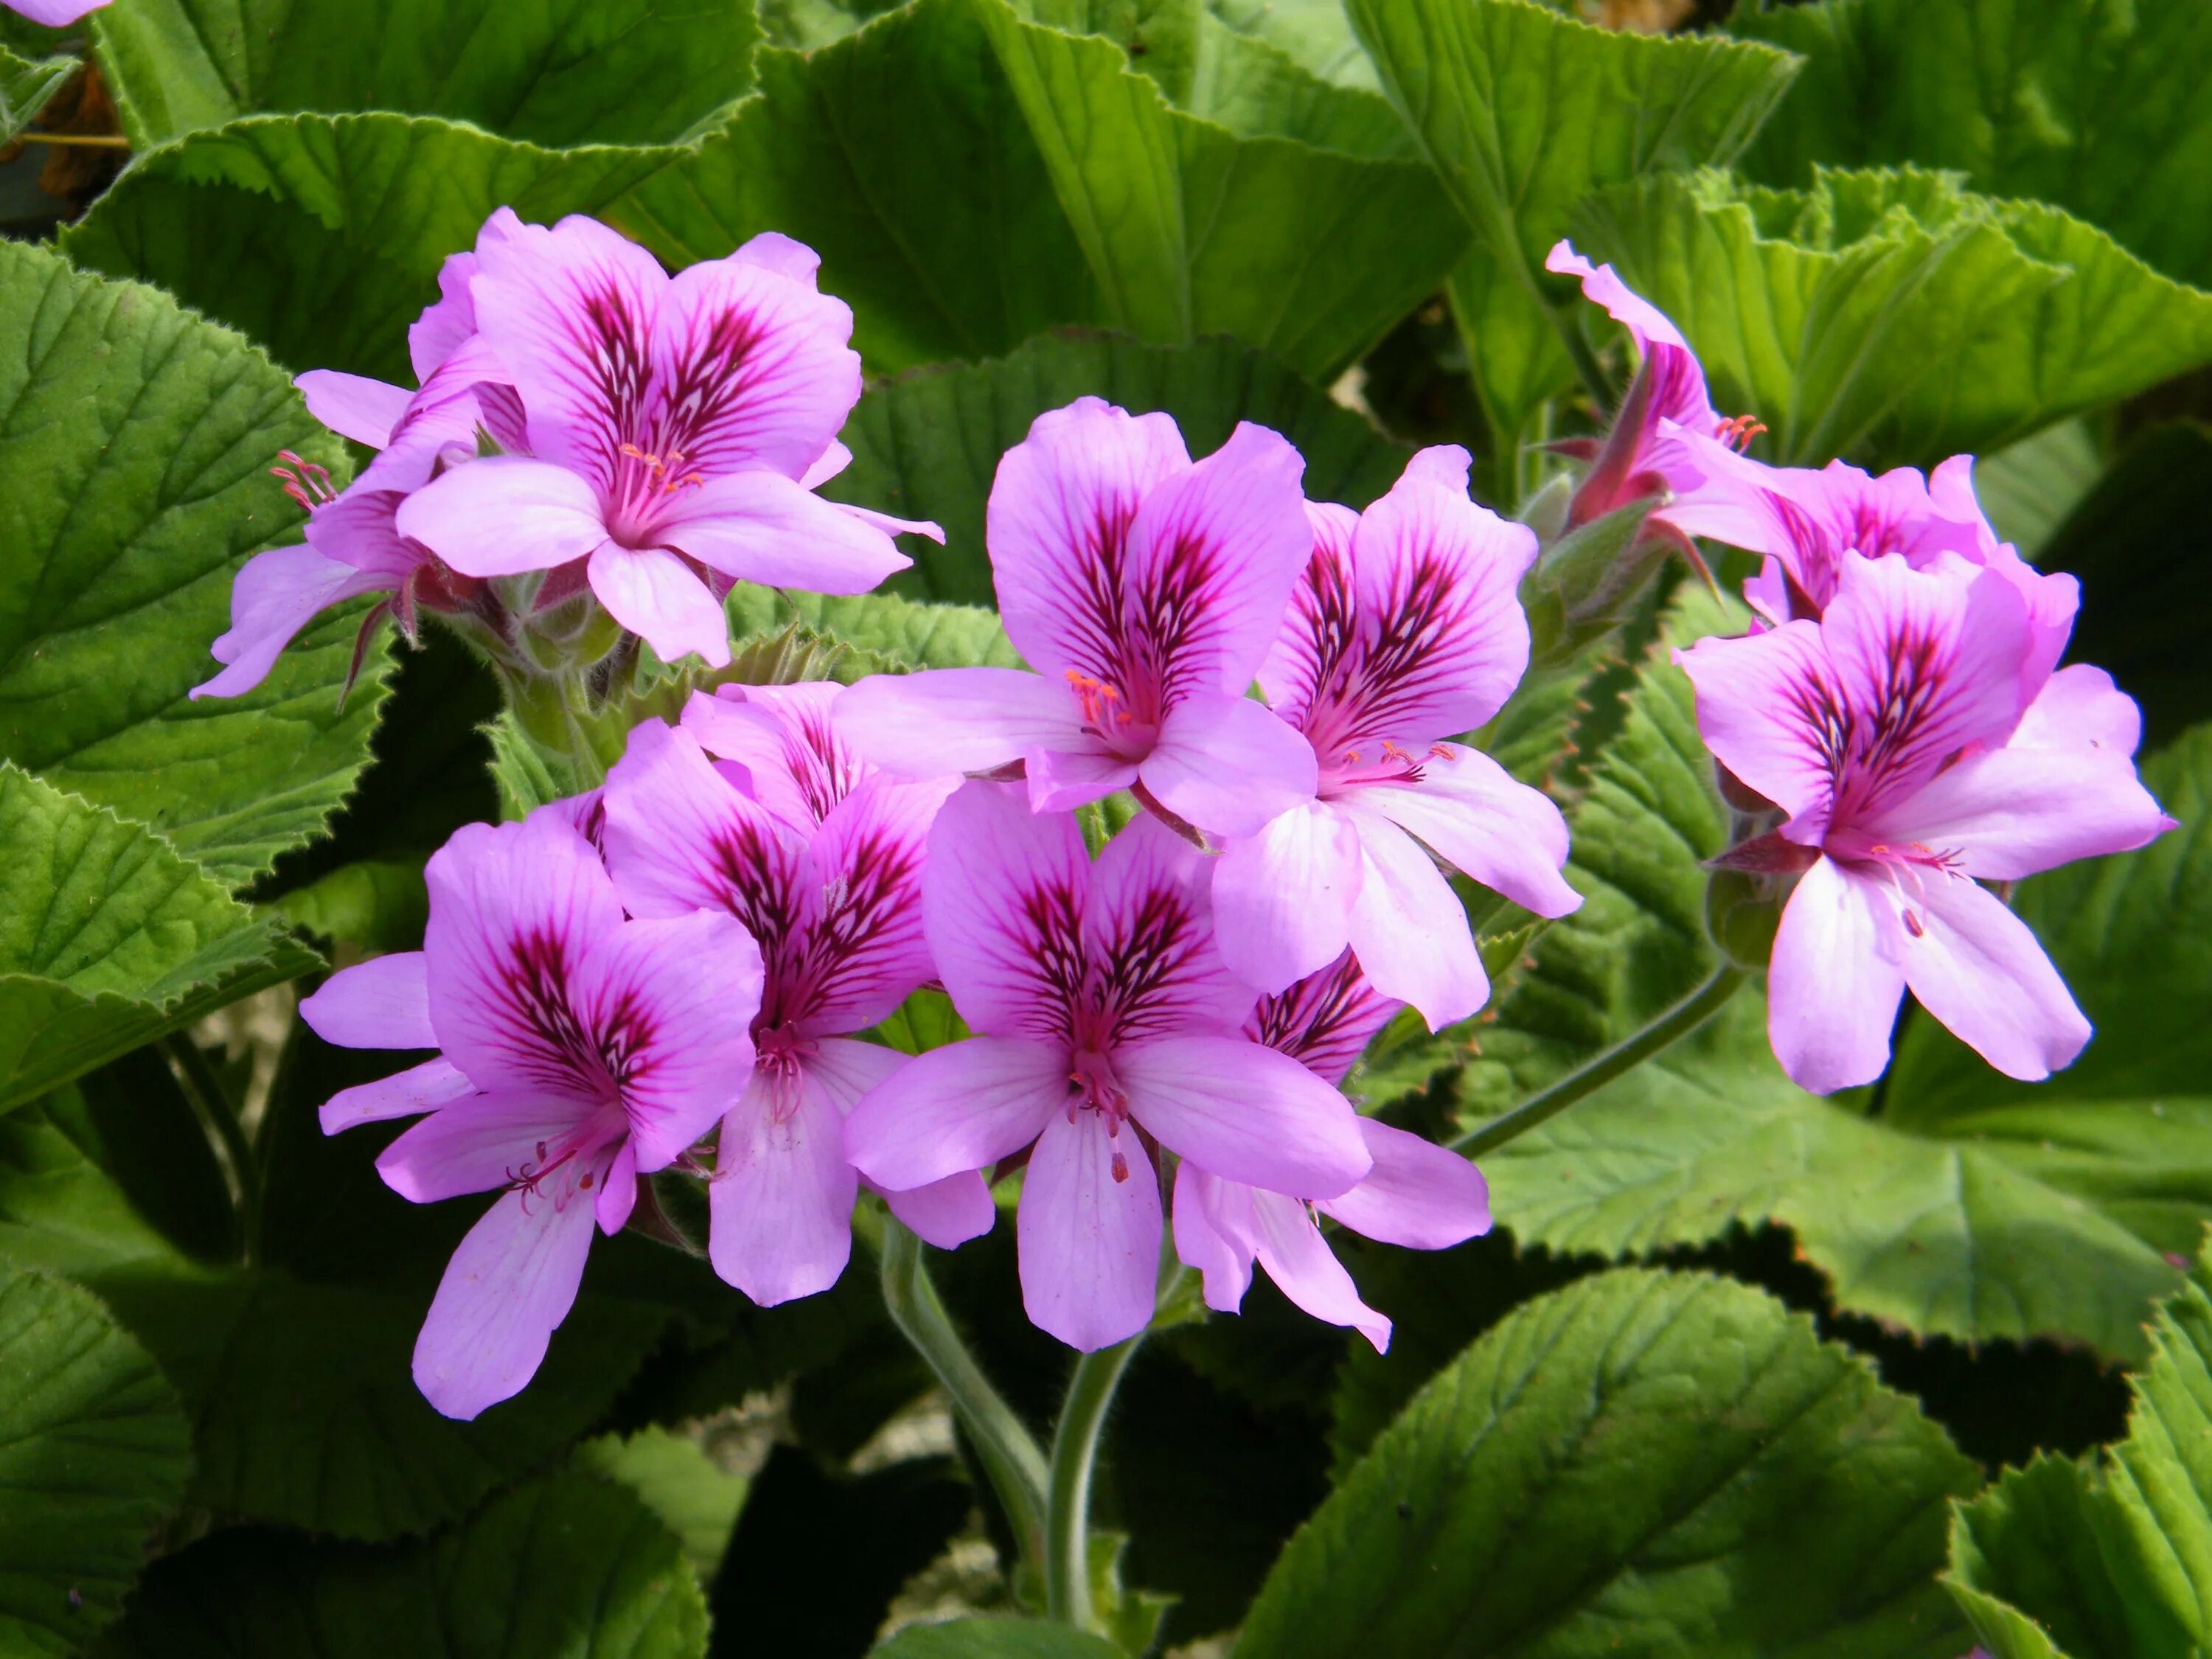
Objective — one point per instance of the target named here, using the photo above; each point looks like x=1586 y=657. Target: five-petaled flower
x=1404 y=632
x=1893 y=734
x=821 y=861
x=579 y=1049
x=1107 y=1026
x=1145 y=590
x=1418 y=1194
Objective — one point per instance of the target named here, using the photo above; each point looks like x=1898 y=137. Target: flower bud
x=1742 y=912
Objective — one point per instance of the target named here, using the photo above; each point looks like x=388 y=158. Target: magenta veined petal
x=680 y=837
x=1283 y=898
x=1003 y=897
x=781 y=1202
x=1147 y=923
x=2006 y=813
x=491 y=1141
x=505 y=514
x=1089 y=1227
x=1762 y=702
x=946 y=722
x=1325 y=1021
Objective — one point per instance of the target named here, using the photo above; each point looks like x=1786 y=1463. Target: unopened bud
x=1743 y=913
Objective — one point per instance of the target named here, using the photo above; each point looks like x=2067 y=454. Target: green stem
x=1074 y=1453
x=212 y=1101
x=1631 y=1051
x=1004 y=1447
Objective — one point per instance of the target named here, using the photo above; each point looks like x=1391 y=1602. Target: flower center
x=1093 y=1087
x=643 y=482
x=782 y=1049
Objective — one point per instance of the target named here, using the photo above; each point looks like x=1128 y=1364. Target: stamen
x=1121 y=1166
x=304 y=482
x=1098 y=699
x=1738 y=433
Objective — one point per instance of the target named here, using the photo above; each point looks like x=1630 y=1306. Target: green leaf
x=108 y=939
x=134 y=440
x=1316 y=34
x=2141 y=614
x=321 y=236
x=2099 y=108
x=1650 y=1462
x=927 y=445
x=26 y=85
x=551 y=72
x=2111 y=1560
x=680 y=1482
x=1890 y=316
x=377 y=904
x=995 y=1638
x=971 y=179
x=93 y=1457
x=880 y=633
x=568 y=1564
x=2029 y=489
x=1522 y=111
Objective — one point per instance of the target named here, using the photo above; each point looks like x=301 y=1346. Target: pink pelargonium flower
x=676 y=428
x=1892 y=734
x=1405 y=630
x=578 y=1050
x=1418 y=1194
x=54 y=14
x=1145 y=590
x=1643 y=453
x=835 y=900
x=1106 y=1028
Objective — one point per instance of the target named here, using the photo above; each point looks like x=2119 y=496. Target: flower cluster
x=1896 y=723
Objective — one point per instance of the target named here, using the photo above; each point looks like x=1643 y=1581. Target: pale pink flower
x=579 y=1049
x=1144 y=589
x=1418 y=1194
x=1106 y=1028
x=1404 y=631
x=1893 y=734
x=54 y=14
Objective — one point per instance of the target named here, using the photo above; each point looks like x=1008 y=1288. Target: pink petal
x=846 y=1071
x=946 y=1213
x=450 y=319
x=949 y=720
x=507 y=1288
x=1212 y=1235
x=1149 y=928
x=1058 y=528
x=1483 y=824
x=1227 y=764
x=1764 y=704
x=826 y=465
x=55 y=13
x=618 y=1194
x=505 y=514
x=2052 y=599
x=493 y=1140
x=1644 y=321
x=513 y=908
x=955 y=1109
x=782 y=1198
x=786 y=739
x=1061 y=779
x=1283 y=898
x=1835 y=980
x=382 y=1003
x=1002 y=899
x=1418 y=1194
x=1978 y=970
x=754 y=365
x=676 y=998
x=353 y=405
x=660 y=599
x=860 y=904
x=1089 y=1239
x=679 y=837
x=423 y=1088
x=1299 y=1260
x=360 y=529
x=571 y=312
x=1409 y=930
x=1244 y=1113
x=2006 y=813
x=2080 y=707
x=1213 y=555
x=1325 y=1021
x=761 y=527
x=771 y=250
x=274 y=596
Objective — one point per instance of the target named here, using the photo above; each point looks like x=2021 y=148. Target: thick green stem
x=1074 y=1453
x=1631 y=1051
x=219 y=1116
x=1008 y=1452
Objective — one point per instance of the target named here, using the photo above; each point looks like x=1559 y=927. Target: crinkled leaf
x=549 y=71
x=321 y=236
x=26 y=85
x=1651 y=1462
x=2029 y=489
x=134 y=444
x=2032 y=1539
x=2103 y=108
x=1522 y=111
x=679 y=1480
x=93 y=1454
x=1890 y=316
x=879 y=633
x=1316 y=34
x=565 y=1565
x=927 y=445
x=108 y=938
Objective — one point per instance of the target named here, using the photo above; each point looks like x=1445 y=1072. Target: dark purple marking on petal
x=1133 y=978
x=866 y=922
x=598 y=1052
x=1325 y=1020
x=1376 y=678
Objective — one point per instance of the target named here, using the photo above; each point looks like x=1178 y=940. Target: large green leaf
x=108 y=938
x=1640 y=1462
x=321 y=236
x=26 y=85
x=134 y=444
x=92 y=1456
x=566 y=1565
x=1523 y=110
x=549 y=71
x=927 y=445
x=1890 y=316
x=971 y=177
x=2102 y=106
x=2111 y=1560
